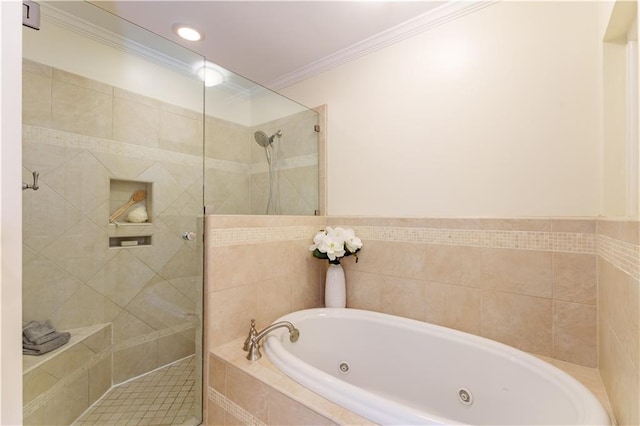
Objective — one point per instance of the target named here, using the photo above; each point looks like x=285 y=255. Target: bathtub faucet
x=252 y=342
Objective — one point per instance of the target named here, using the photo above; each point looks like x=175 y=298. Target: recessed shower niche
x=130 y=212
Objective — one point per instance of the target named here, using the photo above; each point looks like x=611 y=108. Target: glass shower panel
x=261 y=151
x=113 y=125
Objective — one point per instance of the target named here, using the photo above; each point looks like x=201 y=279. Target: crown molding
x=109 y=38
x=424 y=22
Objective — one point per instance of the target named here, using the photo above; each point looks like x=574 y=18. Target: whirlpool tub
x=394 y=370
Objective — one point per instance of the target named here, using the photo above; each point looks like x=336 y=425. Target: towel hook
x=35 y=183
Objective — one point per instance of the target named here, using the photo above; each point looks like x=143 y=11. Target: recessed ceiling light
x=210 y=74
x=187 y=32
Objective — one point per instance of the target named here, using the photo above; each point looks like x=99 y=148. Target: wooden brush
x=137 y=196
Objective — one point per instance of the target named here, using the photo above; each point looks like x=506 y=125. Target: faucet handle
x=252 y=334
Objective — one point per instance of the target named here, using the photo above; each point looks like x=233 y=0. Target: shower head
x=264 y=140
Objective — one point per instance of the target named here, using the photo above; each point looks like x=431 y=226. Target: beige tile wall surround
x=518 y=281
x=257 y=393
x=619 y=315
x=242 y=392
x=530 y=283
x=259 y=267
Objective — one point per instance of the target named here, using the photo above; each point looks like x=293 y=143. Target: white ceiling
x=276 y=43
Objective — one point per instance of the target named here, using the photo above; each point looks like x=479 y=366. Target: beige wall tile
x=69 y=403
x=77 y=109
x=161 y=306
x=36 y=94
x=238 y=265
x=575 y=277
x=285 y=411
x=100 y=340
x=620 y=377
x=176 y=346
x=403 y=297
x=230 y=312
x=180 y=132
x=100 y=379
x=136 y=122
x=523 y=322
x=405 y=260
x=624 y=230
x=217 y=374
x=575 y=333
x=81 y=82
x=308 y=278
x=274 y=299
x=248 y=393
x=523 y=272
x=454 y=265
x=454 y=307
x=68 y=360
x=364 y=290
x=619 y=304
x=36 y=382
x=227 y=141
x=215 y=414
x=587 y=226
x=134 y=361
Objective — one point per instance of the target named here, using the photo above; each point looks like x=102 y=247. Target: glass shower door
x=112 y=242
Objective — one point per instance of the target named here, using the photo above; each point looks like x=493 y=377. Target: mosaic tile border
x=517 y=240
x=149 y=337
x=43 y=135
x=623 y=255
x=236 y=236
x=229 y=406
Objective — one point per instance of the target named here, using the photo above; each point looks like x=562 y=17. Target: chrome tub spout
x=252 y=342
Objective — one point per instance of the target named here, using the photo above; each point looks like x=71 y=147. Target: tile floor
x=162 y=397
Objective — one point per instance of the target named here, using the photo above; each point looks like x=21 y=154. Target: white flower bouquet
x=335 y=243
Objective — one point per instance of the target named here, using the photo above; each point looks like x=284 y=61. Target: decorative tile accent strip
x=149 y=337
x=519 y=240
x=236 y=236
x=229 y=406
x=623 y=255
x=287 y=163
x=42 y=135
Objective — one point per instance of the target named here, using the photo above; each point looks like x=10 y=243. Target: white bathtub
x=407 y=372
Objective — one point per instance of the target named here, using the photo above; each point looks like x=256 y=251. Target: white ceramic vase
x=335 y=292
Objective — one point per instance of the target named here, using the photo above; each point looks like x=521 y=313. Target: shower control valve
x=34 y=186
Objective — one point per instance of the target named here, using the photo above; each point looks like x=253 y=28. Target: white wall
x=493 y=114
x=10 y=214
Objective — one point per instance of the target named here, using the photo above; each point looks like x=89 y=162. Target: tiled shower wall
x=237 y=178
x=78 y=134
x=619 y=316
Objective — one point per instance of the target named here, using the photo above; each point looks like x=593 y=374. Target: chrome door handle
x=189 y=236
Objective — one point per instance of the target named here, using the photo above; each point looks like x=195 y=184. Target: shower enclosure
x=115 y=120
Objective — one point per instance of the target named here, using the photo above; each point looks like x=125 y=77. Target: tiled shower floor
x=163 y=397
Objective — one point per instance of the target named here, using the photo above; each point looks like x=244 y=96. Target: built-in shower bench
x=62 y=384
